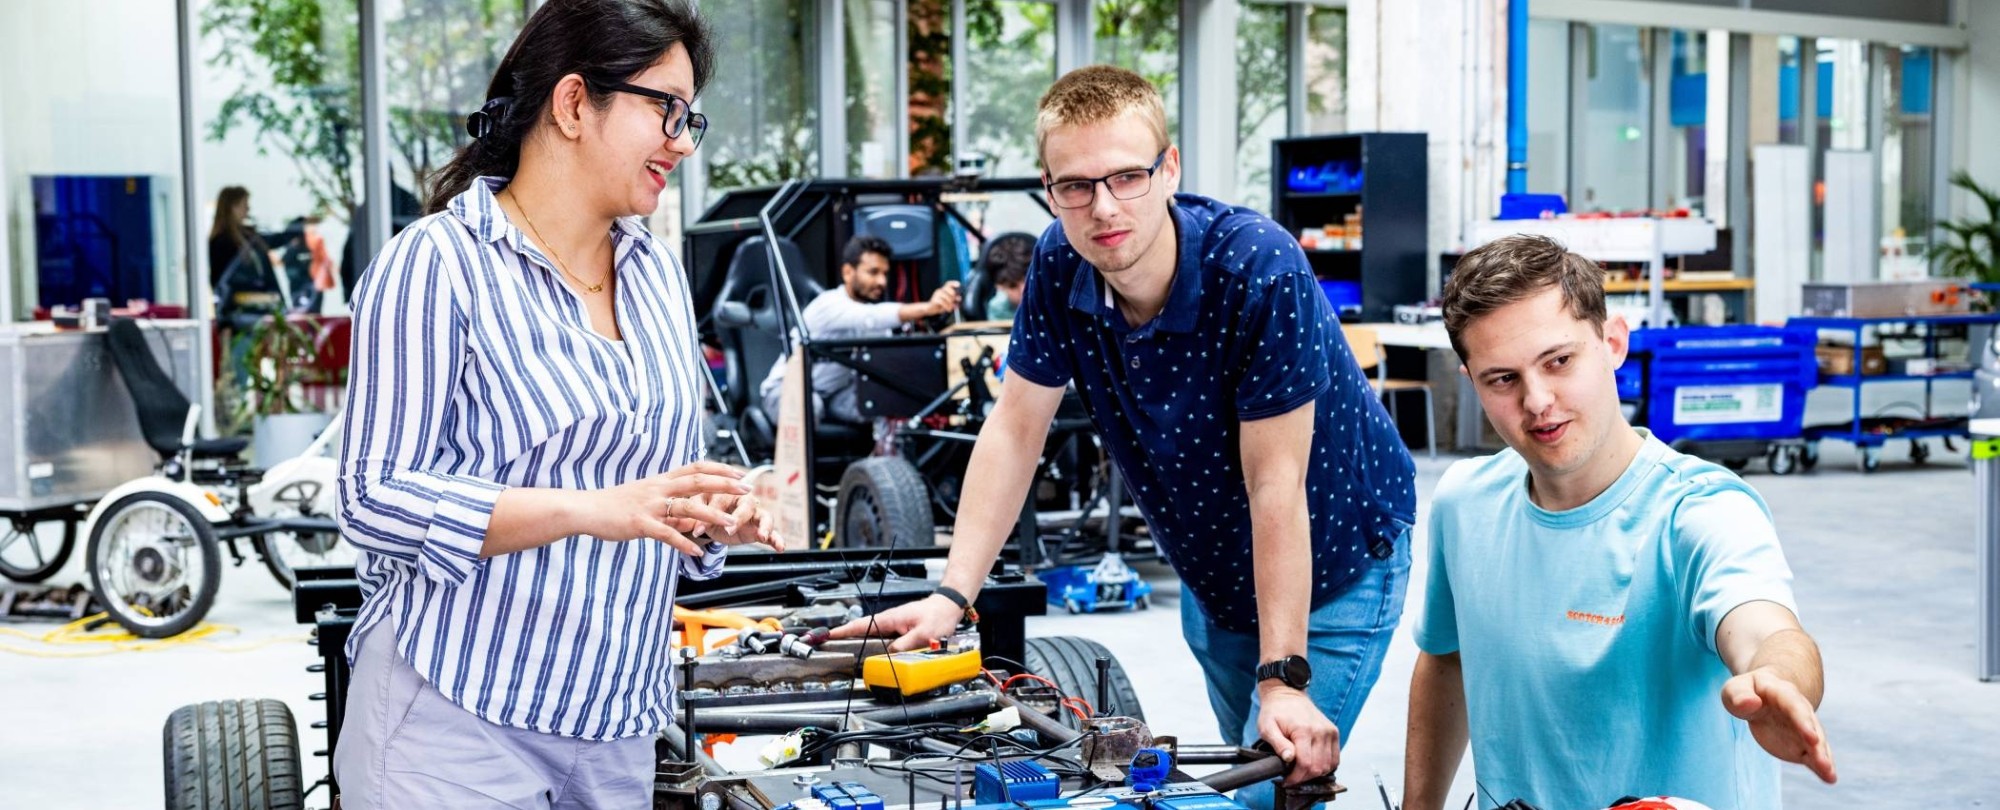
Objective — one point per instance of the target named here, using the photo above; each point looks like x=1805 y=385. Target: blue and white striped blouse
x=475 y=369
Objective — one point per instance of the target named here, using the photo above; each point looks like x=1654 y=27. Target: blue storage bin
x=1631 y=381
x=1530 y=206
x=1343 y=296
x=1724 y=383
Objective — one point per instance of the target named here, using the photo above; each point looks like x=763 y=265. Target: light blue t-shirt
x=1587 y=636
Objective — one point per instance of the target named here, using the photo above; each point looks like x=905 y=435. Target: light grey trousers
x=403 y=744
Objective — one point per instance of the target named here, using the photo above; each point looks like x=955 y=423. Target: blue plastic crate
x=1725 y=383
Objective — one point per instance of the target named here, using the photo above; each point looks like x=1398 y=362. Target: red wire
x=1081 y=715
x=1081 y=707
x=1030 y=676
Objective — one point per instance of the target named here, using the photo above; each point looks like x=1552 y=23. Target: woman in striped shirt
x=520 y=465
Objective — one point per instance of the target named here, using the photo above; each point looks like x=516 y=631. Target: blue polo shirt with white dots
x=1246 y=334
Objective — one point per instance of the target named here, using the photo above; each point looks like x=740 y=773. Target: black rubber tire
x=205 y=543
x=1809 y=456
x=1072 y=663
x=270 y=548
x=50 y=563
x=1736 y=464
x=233 y=755
x=884 y=503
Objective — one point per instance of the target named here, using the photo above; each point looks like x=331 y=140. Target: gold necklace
x=560 y=265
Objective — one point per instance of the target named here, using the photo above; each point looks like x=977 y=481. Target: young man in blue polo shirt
x=1216 y=376
x=1604 y=617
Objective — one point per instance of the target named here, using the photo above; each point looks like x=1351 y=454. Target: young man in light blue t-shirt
x=1605 y=617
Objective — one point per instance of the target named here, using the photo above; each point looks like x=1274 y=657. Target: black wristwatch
x=1293 y=670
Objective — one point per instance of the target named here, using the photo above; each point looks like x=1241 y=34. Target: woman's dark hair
x=604 y=41
x=226 y=221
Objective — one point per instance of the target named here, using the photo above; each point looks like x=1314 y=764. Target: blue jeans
x=1346 y=641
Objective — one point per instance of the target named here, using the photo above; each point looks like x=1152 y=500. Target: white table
x=1470 y=419
x=1986 y=475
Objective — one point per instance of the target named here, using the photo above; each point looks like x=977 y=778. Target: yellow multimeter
x=899 y=676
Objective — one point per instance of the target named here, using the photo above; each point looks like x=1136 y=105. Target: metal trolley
x=1869 y=435
x=70 y=434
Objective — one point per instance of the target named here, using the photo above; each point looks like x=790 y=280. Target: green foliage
x=1143 y=36
x=930 y=86
x=1970 y=247
x=763 y=122
x=277 y=359
x=299 y=89
x=1262 y=76
x=1011 y=53
x=298 y=92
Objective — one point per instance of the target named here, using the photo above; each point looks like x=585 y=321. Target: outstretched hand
x=1781 y=719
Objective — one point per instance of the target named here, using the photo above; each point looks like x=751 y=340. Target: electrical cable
x=113 y=639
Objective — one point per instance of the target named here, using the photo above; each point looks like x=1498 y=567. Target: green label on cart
x=1986 y=449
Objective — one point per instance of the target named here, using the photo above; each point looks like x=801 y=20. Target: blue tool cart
x=1870 y=433
x=1730 y=393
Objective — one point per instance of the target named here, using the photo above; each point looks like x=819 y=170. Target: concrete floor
x=1885 y=566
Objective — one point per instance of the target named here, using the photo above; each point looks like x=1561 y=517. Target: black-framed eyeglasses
x=678 y=116
x=1130 y=184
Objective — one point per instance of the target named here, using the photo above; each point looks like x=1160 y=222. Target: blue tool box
x=1732 y=390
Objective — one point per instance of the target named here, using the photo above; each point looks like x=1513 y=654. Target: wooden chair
x=1367 y=348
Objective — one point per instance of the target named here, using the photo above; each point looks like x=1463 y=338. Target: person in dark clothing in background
x=239 y=262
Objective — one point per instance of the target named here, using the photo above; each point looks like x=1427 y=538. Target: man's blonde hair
x=1096 y=93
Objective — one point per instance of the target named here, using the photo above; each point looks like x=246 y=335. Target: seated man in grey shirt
x=854 y=309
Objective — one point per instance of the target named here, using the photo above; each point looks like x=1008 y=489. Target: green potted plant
x=279 y=360
x=1968 y=249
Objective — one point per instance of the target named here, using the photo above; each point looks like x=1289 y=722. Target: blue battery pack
x=847 y=796
x=1016 y=781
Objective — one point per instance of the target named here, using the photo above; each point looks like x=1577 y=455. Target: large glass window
x=90 y=89
x=1687 y=133
x=1548 y=106
x=1613 y=157
x=279 y=101
x=1906 y=102
x=871 y=87
x=1788 y=91
x=1144 y=36
x=1326 y=69
x=1263 y=77
x=1843 y=94
x=763 y=118
x=1010 y=62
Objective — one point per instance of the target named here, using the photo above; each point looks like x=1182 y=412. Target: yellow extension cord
x=111 y=638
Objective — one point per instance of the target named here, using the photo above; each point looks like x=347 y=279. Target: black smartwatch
x=1293 y=670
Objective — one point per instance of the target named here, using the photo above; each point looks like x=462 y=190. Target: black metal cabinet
x=1388 y=183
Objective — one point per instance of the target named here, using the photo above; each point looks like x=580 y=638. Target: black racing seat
x=163 y=410
x=750 y=325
